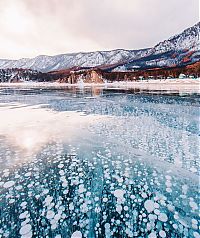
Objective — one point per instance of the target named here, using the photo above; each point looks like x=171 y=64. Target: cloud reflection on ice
x=29 y=128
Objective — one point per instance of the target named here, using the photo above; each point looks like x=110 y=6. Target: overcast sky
x=33 y=27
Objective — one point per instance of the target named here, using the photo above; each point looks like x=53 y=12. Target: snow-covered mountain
x=46 y=63
x=188 y=39
x=179 y=49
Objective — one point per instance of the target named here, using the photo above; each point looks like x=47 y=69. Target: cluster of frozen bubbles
x=98 y=195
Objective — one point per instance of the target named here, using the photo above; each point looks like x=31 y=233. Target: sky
x=36 y=27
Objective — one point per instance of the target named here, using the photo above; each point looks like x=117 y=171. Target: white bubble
x=175 y=226
x=193 y=205
x=149 y=205
x=50 y=214
x=107 y=226
x=119 y=208
x=196 y=234
x=157 y=212
x=27 y=174
x=25 y=229
x=119 y=193
x=125 y=208
x=23 y=215
x=152 y=235
x=71 y=206
x=23 y=204
x=76 y=234
x=162 y=234
x=19 y=187
x=163 y=217
x=81 y=188
x=48 y=200
x=8 y=184
x=28 y=235
x=194 y=221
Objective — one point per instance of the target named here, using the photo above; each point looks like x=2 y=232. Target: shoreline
x=180 y=85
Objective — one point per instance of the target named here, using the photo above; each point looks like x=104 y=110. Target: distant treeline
x=190 y=70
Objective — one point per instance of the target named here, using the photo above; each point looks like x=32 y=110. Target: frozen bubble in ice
x=168 y=183
x=50 y=214
x=120 y=180
x=169 y=190
x=152 y=217
x=144 y=195
x=118 y=222
x=71 y=206
x=23 y=215
x=107 y=226
x=196 y=234
x=64 y=184
x=125 y=208
x=60 y=166
x=62 y=172
x=157 y=212
x=193 y=169
x=175 y=226
x=193 y=205
x=57 y=217
x=152 y=235
x=163 y=217
x=119 y=193
x=184 y=188
x=81 y=188
x=25 y=229
x=48 y=200
x=8 y=184
x=162 y=234
x=76 y=234
x=132 y=196
x=23 y=204
x=27 y=174
x=149 y=205
x=28 y=235
x=88 y=194
x=168 y=177
x=118 y=208
x=11 y=201
x=37 y=196
x=25 y=222
x=105 y=199
x=194 y=221
x=96 y=199
x=45 y=191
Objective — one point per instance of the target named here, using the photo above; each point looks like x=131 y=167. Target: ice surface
x=122 y=168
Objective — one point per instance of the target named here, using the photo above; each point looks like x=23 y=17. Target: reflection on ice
x=112 y=166
x=29 y=128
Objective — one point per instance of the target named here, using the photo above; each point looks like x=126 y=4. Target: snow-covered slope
x=180 y=44
x=188 y=39
x=46 y=63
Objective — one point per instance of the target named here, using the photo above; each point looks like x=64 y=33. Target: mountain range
x=179 y=50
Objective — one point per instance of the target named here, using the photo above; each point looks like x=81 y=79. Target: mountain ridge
x=179 y=49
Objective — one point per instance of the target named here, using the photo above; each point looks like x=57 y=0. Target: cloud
x=29 y=27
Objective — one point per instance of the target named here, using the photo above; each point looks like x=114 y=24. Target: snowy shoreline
x=180 y=85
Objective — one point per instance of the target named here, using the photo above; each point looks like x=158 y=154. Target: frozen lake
x=92 y=162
